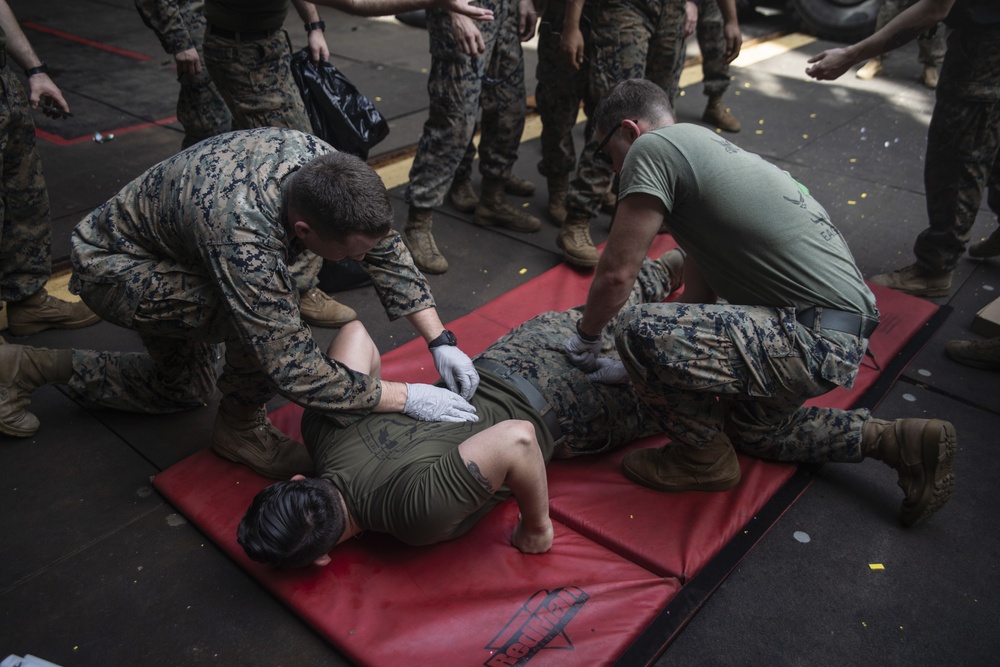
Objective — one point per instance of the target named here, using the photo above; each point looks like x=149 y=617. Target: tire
x=838 y=20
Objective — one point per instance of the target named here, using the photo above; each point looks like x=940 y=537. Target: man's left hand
x=456 y=369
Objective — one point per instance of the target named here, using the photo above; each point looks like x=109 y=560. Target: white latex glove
x=609 y=371
x=436 y=404
x=583 y=354
x=456 y=369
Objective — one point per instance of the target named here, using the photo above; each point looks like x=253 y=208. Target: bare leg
x=355 y=348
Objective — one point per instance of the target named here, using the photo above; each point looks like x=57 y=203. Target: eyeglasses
x=599 y=154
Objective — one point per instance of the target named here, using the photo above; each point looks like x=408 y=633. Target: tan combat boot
x=718 y=115
x=976 y=353
x=930 y=77
x=23 y=370
x=915 y=280
x=672 y=262
x=462 y=196
x=677 y=467
x=575 y=242
x=521 y=187
x=245 y=435
x=988 y=247
x=418 y=238
x=494 y=209
x=921 y=451
x=558 y=191
x=318 y=309
x=870 y=69
x=42 y=311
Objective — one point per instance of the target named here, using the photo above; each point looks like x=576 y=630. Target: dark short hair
x=291 y=524
x=631 y=99
x=338 y=194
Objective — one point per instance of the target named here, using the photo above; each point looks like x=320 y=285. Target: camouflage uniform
x=180 y=25
x=255 y=79
x=931 y=43
x=698 y=367
x=458 y=85
x=712 y=44
x=963 y=145
x=195 y=252
x=560 y=90
x=632 y=39
x=26 y=234
x=594 y=417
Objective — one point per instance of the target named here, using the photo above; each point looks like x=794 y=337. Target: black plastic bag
x=340 y=115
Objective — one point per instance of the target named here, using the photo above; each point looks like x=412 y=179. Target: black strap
x=527 y=389
x=855 y=324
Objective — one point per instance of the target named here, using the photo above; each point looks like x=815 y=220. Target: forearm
x=907 y=26
x=609 y=291
x=427 y=323
x=18 y=46
x=306 y=10
x=393 y=397
x=376 y=7
x=728 y=10
x=574 y=10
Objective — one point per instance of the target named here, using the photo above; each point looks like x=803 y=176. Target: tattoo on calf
x=480 y=477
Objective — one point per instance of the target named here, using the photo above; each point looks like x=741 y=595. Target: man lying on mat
x=427 y=483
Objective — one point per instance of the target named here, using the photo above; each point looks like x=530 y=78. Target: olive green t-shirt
x=755 y=233
x=246 y=15
x=405 y=477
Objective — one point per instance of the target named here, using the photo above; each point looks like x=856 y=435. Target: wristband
x=587 y=338
x=318 y=25
x=32 y=71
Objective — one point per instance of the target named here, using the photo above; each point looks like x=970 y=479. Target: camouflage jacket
x=217 y=210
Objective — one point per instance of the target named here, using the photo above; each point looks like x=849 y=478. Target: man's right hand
x=582 y=353
x=435 y=404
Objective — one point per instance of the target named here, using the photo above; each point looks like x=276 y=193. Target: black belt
x=242 y=36
x=855 y=324
x=528 y=390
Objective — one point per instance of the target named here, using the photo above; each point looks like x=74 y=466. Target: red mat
x=619 y=556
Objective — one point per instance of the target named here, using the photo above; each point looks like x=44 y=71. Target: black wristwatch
x=446 y=338
x=317 y=25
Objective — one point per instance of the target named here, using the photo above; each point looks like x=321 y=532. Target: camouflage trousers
x=458 y=87
x=26 y=232
x=593 y=417
x=632 y=39
x=182 y=320
x=746 y=371
x=963 y=147
x=255 y=79
x=201 y=110
x=560 y=90
x=930 y=43
x=712 y=44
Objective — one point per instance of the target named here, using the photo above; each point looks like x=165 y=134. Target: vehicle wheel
x=841 y=20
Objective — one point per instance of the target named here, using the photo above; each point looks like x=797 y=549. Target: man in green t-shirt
x=774 y=312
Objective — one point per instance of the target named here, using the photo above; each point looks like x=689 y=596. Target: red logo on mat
x=539 y=623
